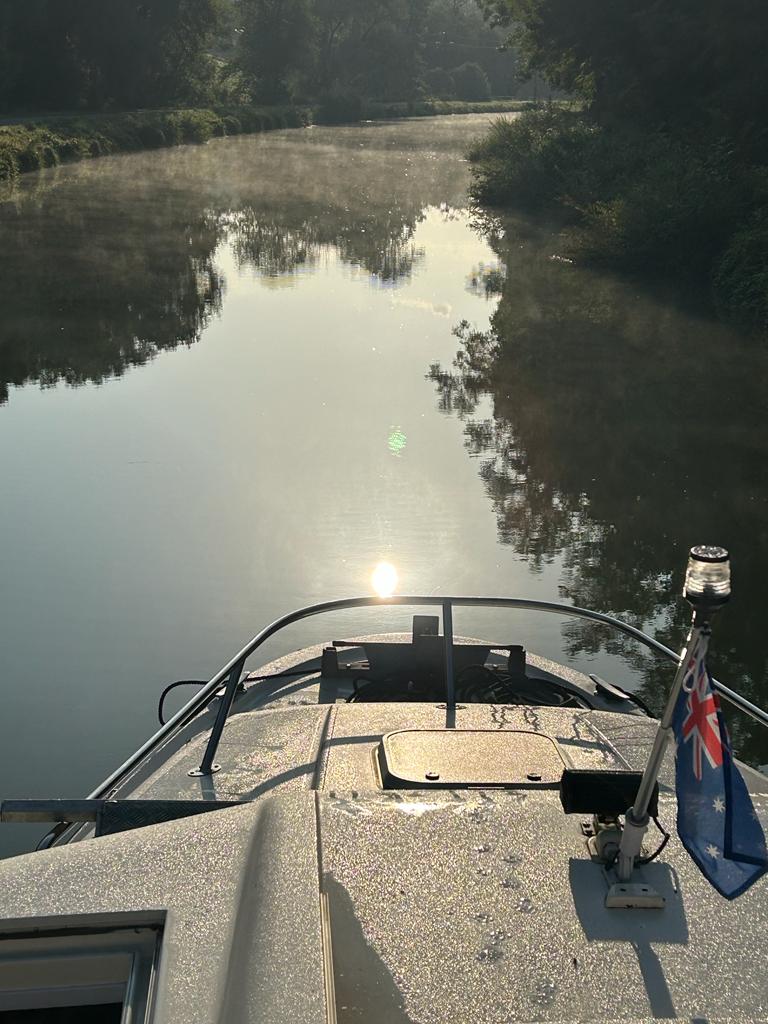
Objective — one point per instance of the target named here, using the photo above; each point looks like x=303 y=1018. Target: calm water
x=234 y=378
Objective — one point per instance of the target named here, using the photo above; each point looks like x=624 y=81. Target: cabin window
x=87 y=975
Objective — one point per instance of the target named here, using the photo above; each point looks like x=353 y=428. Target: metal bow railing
x=229 y=676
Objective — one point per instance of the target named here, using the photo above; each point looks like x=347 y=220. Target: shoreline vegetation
x=646 y=203
x=663 y=172
x=85 y=78
x=29 y=145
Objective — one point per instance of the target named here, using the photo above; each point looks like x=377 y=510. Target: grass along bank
x=437 y=108
x=646 y=201
x=45 y=142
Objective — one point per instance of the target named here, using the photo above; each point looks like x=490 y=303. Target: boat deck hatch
x=463 y=758
x=57 y=970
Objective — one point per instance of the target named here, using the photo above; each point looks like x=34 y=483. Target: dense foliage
x=370 y=49
x=664 y=169
x=689 y=63
x=68 y=54
x=88 y=55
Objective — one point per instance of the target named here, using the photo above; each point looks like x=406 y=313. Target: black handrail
x=232 y=671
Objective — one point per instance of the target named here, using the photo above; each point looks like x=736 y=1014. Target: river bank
x=642 y=200
x=47 y=141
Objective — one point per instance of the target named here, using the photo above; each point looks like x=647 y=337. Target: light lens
x=708 y=577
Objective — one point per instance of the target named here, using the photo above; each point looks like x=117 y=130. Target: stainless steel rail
x=232 y=671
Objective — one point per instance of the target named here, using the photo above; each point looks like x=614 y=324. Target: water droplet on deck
x=545 y=992
x=489 y=955
x=351 y=807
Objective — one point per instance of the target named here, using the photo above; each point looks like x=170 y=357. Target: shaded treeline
x=130 y=54
x=606 y=422
x=348 y=50
x=87 y=54
x=665 y=169
x=692 y=65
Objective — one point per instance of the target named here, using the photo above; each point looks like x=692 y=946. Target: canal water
x=235 y=378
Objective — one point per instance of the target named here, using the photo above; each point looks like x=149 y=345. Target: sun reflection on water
x=384 y=579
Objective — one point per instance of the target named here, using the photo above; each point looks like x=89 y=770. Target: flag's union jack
x=701 y=726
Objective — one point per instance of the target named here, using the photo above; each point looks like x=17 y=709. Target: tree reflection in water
x=273 y=248
x=81 y=304
x=105 y=265
x=622 y=429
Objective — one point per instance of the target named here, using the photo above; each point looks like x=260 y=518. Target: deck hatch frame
x=469 y=759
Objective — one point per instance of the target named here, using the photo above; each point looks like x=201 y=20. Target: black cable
x=356 y=688
x=501 y=687
x=202 y=682
x=172 y=686
x=662 y=844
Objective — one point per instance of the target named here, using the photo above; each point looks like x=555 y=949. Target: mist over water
x=227 y=389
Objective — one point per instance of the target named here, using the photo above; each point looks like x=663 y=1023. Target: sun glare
x=384 y=579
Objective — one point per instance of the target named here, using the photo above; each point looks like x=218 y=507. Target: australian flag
x=715 y=818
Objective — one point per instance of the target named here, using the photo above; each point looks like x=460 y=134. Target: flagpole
x=707 y=588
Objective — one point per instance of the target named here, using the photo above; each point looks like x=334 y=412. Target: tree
x=471 y=82
x=145 y=54
x=439 y=82
x=371 y=48
x=456 y=33
x=65 y=54
x=686 y=62
x=40 y=66
x=277 y=46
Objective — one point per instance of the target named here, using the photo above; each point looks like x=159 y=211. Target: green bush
x=542 y=158
x=439 y=83
x=9 y=168
x=151 y=136
x=197 y=125
x=677 y=211
x=740 y=278
x=339 y=107
x=99 y=146
x=648 y=201
x=471 y=82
